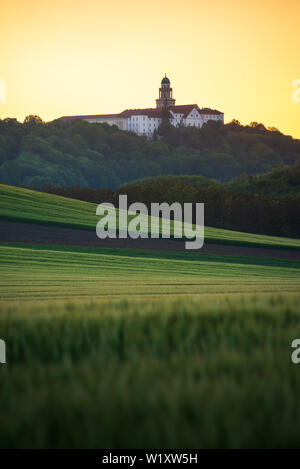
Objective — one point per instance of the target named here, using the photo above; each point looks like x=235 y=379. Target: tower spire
x=165 y=99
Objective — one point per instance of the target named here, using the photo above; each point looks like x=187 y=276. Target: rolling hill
x=23 y=205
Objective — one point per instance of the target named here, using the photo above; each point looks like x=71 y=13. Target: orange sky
x=61 y=57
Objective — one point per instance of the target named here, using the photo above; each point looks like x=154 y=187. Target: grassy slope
x=29 y=206
x=47 y=272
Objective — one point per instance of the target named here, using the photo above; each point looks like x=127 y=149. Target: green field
x=36 y=207
x=121 y=348
x=168 y=373
x=43 y=272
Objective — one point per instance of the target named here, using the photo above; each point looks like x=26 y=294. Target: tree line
x=227 y=208
x=66 y=153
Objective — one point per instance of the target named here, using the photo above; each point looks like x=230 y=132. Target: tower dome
x=165 y=80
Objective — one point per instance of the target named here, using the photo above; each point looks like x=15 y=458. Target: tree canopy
x=75 y=152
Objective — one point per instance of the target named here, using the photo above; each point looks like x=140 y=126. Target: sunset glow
x=66 y=57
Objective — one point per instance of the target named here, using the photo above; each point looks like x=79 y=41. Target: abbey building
x=145 y=121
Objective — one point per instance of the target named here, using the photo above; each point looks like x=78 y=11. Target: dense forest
x=66 y=153
x=280 y=181
x=265 y=203
x=226 y=207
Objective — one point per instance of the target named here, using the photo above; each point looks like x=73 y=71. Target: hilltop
x=64 y=153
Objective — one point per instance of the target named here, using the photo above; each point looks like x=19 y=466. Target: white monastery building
x=144 y=121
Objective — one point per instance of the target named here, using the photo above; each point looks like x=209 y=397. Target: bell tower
x=165 y=99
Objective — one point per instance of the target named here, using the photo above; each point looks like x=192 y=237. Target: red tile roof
x=150 y=112
x=184 y=109
x=207 y=110
x=93 y=116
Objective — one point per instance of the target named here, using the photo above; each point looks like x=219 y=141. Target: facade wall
x=143 y=124
x=146 y=125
